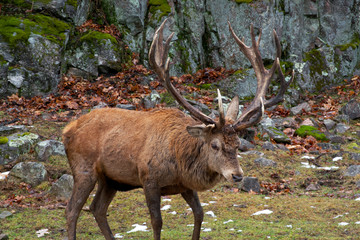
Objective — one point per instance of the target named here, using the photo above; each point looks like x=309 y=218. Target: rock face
x=319 y=40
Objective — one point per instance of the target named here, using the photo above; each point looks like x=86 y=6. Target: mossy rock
x=15 y=29
x=91 y=36
x=4 y=140
x=304 y=131
x=159 y=6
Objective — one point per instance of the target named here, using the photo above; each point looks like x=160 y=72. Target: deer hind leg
x=99 y=206
x=82 y=188
x=192 y=199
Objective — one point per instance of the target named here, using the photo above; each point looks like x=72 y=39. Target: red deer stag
x=162 y=151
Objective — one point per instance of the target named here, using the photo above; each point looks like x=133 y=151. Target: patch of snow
x=307 y=157
x=190 y=225
x=138 y=228
x=343 y=224
x=289 y=226
x=228 y=221
x=357 y=222
x=329 y=168
x=312 y=207
x=173 y=213
x=166 y=207
x=166 y=199
x=239 y=156
x=42 y=232
x=204 y=204
x=118 y=235
x=338 y=216
x=4 y=175
x=207 y=230
x=211 y=202
x=266 y=211
x=307 y=165
x=210 y=213
x=267 y=197
x=232 y=229
x=335 y=159
x=358 y=199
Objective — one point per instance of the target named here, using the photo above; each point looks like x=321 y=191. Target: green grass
x=309 y=217
x=299 y=214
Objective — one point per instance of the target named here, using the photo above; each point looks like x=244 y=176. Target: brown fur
x=122 y=150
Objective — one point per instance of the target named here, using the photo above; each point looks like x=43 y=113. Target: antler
x=263 y=76
x=158 y=59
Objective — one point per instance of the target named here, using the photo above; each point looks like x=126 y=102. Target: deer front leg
x=192 y=199
x=153 y=198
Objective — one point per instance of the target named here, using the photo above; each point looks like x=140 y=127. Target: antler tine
x=221 y=121
x=159 y=60
x=263 y=78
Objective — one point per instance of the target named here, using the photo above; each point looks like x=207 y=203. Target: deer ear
x=197 y=130
x=200 y=130
x=233 y=109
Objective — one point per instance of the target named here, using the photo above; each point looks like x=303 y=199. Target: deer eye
x=215 y=146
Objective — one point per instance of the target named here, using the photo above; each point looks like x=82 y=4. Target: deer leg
x=192 y=199
x=99 y=206
x=152 y=195
x=81 y=191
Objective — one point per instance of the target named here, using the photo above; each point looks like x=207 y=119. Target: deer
x=163 y=151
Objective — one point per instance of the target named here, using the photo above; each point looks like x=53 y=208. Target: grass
x=299 y=214
x=293 y=217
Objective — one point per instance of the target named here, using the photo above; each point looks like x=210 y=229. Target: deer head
x=221 y=136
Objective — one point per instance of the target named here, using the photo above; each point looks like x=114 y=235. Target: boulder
x=268 y=146
x=300 y=108
x=5 y=214
x=33 y=173
x=265 y=162
x=15 y=145
x=62 y=188
x=126 y=106
x=277 y=135
x=250 y=184
x=329 y=124
x=352 y=109
x=47 y=148
x=245 y=145
x=352 y=171
x=341 y=128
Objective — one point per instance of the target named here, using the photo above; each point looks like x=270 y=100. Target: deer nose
x=237 y=178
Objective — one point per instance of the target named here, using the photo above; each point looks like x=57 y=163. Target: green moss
x=24 y=134
x=167 y=98
x=353 y=147
x=98 y=36
x=73 y=3
x=354 y=43
x=19 y=3
x=15 y=30
x=162 y=6
x=304 y=131
x=4 y=140
x=317 y=66
x=206 y=86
